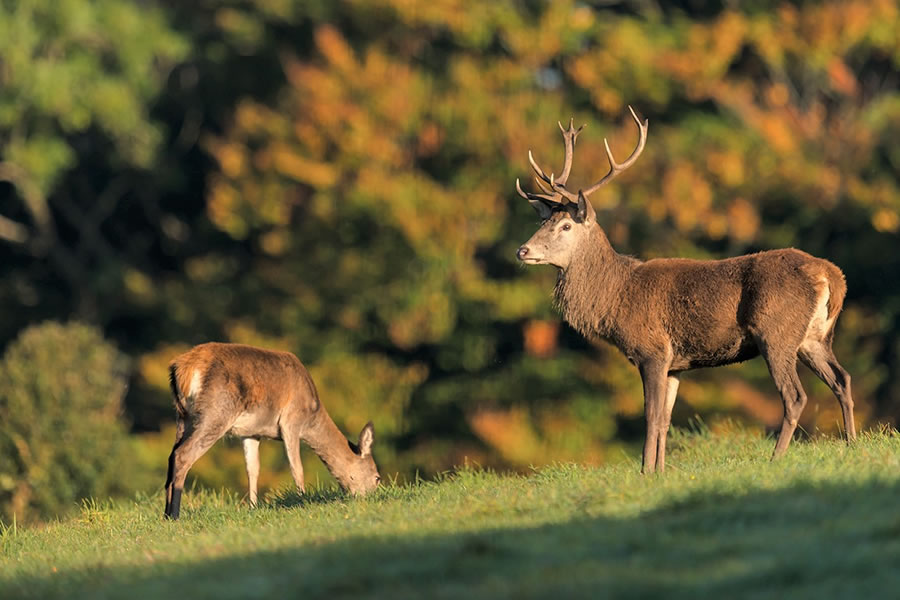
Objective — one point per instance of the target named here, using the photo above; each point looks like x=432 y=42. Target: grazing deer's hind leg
x=251 y=460
x=179 y=435
x=195 y=443
x=819 y=357
x=671 y=392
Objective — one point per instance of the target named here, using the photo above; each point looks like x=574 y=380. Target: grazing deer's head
x=361 y=475
x=567 y=216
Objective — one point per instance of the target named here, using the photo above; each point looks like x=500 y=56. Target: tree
x=76 y=79
x=61 y=433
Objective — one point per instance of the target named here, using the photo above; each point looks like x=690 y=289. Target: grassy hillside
x=723 y=522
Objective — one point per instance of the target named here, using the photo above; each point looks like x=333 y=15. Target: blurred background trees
x=337 y=179
x=61 y=433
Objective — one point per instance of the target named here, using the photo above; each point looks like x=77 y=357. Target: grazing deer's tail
x=180 y=406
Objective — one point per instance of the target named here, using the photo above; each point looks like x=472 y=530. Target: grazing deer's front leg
x=251 y=460
x=292 y=448
x=654 y=377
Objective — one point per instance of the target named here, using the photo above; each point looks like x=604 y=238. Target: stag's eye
x=566 y=227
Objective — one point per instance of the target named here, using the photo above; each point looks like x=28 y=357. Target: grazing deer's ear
x=366 y=439
x=585 y=211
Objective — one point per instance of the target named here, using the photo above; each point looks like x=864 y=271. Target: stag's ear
x=585 y=212
x=366 y=439
x=543 y=209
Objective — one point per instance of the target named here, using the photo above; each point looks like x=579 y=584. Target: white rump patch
x=819 y=324
x=195 y=388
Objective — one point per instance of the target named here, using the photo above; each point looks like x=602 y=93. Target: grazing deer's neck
x=588 y=291
x=330 y=445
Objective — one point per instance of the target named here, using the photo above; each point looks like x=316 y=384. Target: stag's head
x=567 y=216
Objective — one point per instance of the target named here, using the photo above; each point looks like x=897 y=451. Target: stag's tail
x=837 y=290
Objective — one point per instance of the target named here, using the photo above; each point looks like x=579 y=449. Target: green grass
x=723 y=522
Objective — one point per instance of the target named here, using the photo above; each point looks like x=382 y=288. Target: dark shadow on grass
x=809 y=541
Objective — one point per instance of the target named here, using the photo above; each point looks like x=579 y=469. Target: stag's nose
x=522 y=252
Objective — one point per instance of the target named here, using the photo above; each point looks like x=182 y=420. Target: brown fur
x=672 y=314
x=255 y=393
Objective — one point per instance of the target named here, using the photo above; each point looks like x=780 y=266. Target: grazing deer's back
x=253 y=378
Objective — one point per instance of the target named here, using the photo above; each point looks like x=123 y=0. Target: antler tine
x=616 y=168
x=569 y=137
x=534 y=197
x=536 y=168
x=560 y=189
x=540 y=184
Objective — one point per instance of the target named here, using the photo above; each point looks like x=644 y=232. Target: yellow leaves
x=427 y=320
x=886 y=220
x=524 y=439
x=222 y=208
x=243 y=331
x=335 y=49
x=510 y=433
x=541 y=337
x=778 y=132
x=139 y=286
x=688 y=195
x=231 y=159
x=777 y=95
x=743 y=221
x=153 y=366
x=274 y=243
x=841 y=77
x=881 y=198
x=727 y=166
x=359 y=388
x=286 y=161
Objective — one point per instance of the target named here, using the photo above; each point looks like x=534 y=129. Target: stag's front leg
x=654 y=376
x=672 y=382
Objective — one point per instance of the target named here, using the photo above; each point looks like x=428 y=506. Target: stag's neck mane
x=588 y=292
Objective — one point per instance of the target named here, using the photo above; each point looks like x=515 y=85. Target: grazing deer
x=670 y=315
x=254 y=393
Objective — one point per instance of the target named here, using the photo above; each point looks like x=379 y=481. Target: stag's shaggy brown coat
x=670 y=315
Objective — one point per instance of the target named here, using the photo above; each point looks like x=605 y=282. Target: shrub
x=61 y=433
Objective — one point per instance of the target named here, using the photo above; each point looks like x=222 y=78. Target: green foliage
x=724 y=522
x=61 y=433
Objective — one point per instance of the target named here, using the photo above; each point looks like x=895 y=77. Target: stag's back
x=709 y=312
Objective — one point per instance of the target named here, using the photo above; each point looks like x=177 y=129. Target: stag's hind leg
x=819 y=357
x=782 y=363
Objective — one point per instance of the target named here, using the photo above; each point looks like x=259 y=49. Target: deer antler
x=615 y=168
x=557 y=192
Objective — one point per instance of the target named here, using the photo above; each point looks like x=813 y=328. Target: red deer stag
x=670 y=315
x=254 y=393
